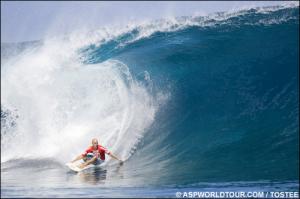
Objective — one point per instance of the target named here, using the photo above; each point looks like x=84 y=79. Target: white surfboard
x=75 y=167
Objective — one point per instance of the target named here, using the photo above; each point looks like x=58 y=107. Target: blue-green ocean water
x=230 y=121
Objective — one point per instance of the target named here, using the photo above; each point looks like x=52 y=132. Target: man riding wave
x=94 y=155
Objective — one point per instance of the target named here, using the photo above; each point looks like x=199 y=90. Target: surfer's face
x=95 y=144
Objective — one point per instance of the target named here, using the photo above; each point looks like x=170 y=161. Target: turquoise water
x=223 y=111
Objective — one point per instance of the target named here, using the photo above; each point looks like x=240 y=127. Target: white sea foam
x=147 y=28
x=62 y=104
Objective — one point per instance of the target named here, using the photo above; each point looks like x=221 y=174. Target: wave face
x=187 y=100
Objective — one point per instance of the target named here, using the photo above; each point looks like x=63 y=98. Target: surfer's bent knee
x=93 y=158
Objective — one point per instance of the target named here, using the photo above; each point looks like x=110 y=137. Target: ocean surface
x=195 y=103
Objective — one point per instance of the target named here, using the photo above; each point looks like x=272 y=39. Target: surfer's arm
x=78 y=158
x=113 y=156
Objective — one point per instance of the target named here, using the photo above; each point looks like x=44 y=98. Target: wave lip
x=105 y=46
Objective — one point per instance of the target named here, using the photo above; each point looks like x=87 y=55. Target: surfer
x=94 y=154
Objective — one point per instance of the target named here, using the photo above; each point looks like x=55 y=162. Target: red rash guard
x=98 y=152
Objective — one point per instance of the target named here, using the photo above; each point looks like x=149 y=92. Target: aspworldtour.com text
x=234 y=194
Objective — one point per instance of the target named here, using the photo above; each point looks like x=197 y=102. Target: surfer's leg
x=98 y=161
x=90 y=161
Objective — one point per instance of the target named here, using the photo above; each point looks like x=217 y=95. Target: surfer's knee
x=93 y=159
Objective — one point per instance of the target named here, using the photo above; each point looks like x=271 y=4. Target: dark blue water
x=231 y=121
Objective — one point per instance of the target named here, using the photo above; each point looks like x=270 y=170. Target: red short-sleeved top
x=99 y=152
